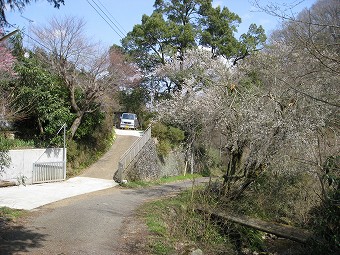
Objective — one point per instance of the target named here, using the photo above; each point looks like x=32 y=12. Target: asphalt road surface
x=86 y=224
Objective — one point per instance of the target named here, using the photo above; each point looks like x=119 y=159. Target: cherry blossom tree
x=7 y=113
x=7 y=61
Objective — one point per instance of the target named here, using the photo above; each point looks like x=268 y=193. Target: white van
x=129 y=121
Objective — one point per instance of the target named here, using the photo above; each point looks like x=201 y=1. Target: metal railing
x=48 y=172
x=132 y=152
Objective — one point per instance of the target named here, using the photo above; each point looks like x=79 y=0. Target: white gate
x=48 y=172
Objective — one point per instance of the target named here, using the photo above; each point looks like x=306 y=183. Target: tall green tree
x=177 y=26
x=148 y=42
x=219 y=26
x=182 y=16
x=83 y=66
x=44 y=99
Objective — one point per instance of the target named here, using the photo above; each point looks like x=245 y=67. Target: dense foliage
x=176 y=27
x=273 y=117
x=47 y=90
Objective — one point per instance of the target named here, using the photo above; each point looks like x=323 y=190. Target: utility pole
x=64 y=152
x=26 y=55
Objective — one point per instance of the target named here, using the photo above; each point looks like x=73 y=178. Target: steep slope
x=107 y=165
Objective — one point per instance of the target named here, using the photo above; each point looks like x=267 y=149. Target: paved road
x=90 y=223
x=86 y=224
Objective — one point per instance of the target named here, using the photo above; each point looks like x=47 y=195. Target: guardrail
x=131 y=153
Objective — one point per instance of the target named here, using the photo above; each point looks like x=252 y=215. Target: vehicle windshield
x=128 y=116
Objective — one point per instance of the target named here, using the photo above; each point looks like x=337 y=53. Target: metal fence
x=132 y=152
x=48 y=172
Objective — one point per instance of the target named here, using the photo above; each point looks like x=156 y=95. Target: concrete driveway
x=97 y=177
x=33 y=196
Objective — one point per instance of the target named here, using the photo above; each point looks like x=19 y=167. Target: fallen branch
x=280 y=230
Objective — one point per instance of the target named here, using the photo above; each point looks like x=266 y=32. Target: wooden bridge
x=280 y=230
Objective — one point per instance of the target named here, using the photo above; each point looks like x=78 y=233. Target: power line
x=32 y=38
x=104 y=18
x=122 y=33
x=113 y=18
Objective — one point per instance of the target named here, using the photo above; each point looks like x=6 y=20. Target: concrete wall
x=22 y=162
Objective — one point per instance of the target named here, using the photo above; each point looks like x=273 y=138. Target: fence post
x=120 y=172
x=64 y=152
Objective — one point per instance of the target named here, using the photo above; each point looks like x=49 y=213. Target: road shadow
x=16 y=238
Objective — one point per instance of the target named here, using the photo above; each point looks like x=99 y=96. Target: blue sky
x=128 y=13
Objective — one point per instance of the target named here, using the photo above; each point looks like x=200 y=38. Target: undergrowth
x=82 y=154
x=176 y=228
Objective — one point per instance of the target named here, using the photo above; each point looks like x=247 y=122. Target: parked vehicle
x=129 y=121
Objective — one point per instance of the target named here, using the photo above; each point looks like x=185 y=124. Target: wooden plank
x=280 y=230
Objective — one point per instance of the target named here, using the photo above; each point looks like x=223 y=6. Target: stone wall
x=173 y=164
x=147 y=166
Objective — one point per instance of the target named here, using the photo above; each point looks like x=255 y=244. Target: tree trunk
x=76 y=124
x=192 y=161
x=41 y=129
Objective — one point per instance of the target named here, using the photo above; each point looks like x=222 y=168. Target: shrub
x=168 y=138
x=325 y=218
x=282 y=197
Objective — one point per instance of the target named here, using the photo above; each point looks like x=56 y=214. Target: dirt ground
x=134 y=237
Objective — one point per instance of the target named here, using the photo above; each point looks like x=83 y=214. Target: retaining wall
x=147 y=166
x=22 y=162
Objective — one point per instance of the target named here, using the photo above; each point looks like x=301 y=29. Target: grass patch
x=10 y=214
x=176 y=229
x=178 y=178
x=160 y=247
x=163 y=180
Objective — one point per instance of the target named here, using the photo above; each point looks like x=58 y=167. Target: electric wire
x=106 y=14
x=113 y=19
x=36 y=41
x=104 y=18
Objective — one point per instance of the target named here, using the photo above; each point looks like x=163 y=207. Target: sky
x=127 y=13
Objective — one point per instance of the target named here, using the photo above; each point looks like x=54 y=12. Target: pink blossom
x=7 y=61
